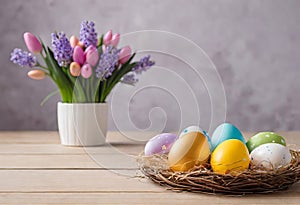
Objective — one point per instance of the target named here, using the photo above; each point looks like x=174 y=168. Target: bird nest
x=203 y=179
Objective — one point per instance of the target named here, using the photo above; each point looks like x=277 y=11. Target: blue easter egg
x=225 y=132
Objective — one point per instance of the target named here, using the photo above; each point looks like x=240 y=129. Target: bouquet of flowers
x=85 y=70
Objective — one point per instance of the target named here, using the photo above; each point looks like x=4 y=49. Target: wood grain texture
x=161 y=198
x=52 y=137
x=36 y=169
x=53 y=149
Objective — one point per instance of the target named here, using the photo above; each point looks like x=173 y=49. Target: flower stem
x=102 y=97
x=43 y=67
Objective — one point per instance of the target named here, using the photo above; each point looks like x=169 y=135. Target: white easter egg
x=270 y=156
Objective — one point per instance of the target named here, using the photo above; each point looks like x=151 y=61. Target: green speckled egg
x=263 y=138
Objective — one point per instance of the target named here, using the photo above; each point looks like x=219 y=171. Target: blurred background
x=254 y=45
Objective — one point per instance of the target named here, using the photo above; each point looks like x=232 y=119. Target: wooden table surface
x=36 y=169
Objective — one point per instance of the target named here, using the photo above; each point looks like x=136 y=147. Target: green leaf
x=100 y=42
x=123 y=71
x=49 y=96
x=60 y=78
x=43 y=46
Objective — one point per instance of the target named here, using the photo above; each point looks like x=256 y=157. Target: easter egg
x=263 y=138
x=270 y=156
x=189 y=150
x=231 y=156
x=191 y=129
x=225 y=132
x=195 y=129
x=160 y=144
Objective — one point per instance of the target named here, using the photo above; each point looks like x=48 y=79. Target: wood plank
x=52 y=137
x=53 y=149
x=39 y=141
x=59 y=161
x=74 y=181
x=35 y=169
x=29 y=137
x=166 y=197
x=12 y=143
x=56 y=156
x=41 y=181
x=46 y=161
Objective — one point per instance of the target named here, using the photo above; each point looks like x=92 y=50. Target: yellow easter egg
x=189 y=150
x=231 y=156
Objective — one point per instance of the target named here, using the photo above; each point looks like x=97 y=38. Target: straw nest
x=203 y=179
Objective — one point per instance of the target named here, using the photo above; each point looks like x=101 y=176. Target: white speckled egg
x=270 y=156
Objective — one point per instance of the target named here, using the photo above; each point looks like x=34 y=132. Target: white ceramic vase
x=82 y=124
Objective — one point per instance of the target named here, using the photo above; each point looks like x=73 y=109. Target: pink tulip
x=78 y=55
x=103 y=48
x=89 y=48
x=75 y=69
x=107 y=37
x=115 y=40
x=36 y=74
x=32 y=43
x=86 y=71
x=92 y=55
x=74 y=41
x=125 y=54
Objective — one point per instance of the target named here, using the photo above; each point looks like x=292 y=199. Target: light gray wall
x=255 y=46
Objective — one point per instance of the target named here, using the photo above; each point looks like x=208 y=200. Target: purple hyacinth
x=129 y=79
x=107 y=63
x=61 y=48
x=88 y=35
x=22 y=58
x=144 y=64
